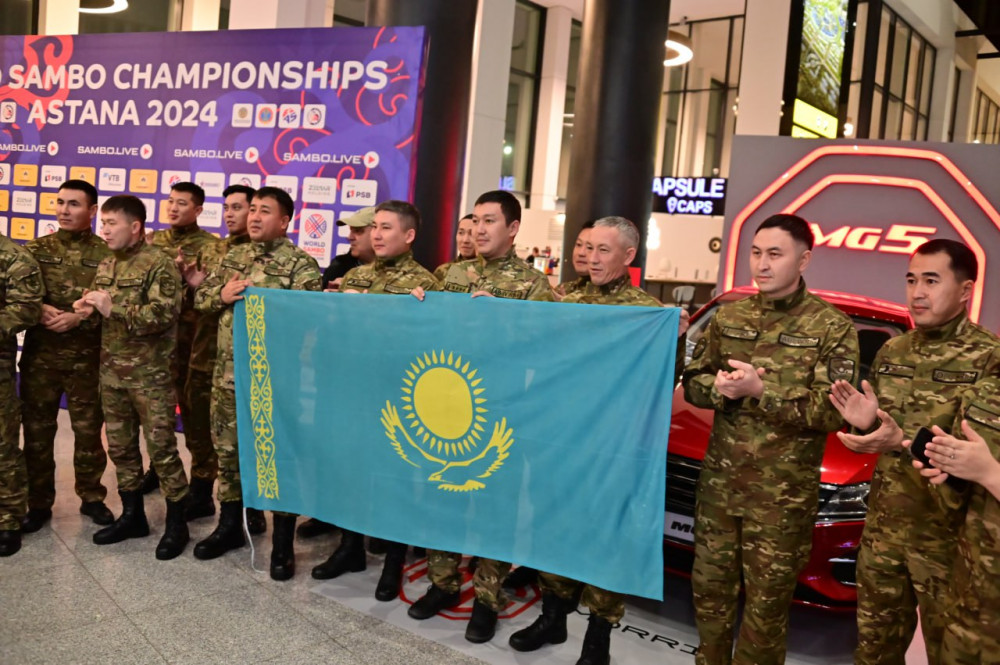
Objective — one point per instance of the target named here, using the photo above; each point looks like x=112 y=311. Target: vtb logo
x=897 y=239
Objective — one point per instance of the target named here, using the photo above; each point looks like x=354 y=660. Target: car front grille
x=682 y=479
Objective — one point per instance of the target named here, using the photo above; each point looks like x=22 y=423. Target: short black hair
x=81 y=186
x=793 y=225
x=588 y=224
x=962 y=260
x=409 y=216
x=281 y=196
x=196 y=192
x=239 y=189
x=469 y=216
x=130 y=206
x=509 y=205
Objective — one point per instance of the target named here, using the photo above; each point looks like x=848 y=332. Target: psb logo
x=315 y=226
x=444 y=406
x=8 y=111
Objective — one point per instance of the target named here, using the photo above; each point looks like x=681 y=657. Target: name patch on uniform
x=276 y=271
x=978 y=414
x=945 y=376
x=44 y=258
x=740 y=333
x=397 y=289
x=104 y=281
x=90 y=263
x=226 y=263
x=896 y=370
x=360 y=283
x=798 y=342
x=506 y=293
x=130 y=282
x=456 y=288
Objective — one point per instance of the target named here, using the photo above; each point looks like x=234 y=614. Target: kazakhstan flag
x=534 y=433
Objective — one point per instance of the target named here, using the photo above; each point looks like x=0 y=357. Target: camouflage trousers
x=42 y=386
x=13 y=476
x=127 y=404
x=971 y=638
x=893 y=580
x=770 y=557
x=443 y=570
x=226 y=443
x=609 y=605
x=488 y=583
x=195 y=400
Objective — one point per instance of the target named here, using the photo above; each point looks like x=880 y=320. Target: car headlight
x=842 y=503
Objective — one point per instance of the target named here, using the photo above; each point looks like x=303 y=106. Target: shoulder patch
x=168 y=286
x=945 y=376
x=841 y=369
x=699 y=348
x=32 y=284
x=890 y=369
x=798 y=342
x=740 y=333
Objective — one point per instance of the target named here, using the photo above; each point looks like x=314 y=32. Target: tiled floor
x=65 y=600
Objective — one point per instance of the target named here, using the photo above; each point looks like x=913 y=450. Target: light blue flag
x=534 y=433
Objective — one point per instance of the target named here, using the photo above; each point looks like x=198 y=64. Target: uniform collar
x=269 y=246
x=131 y=250
x=241 y=239
x=787 y=302
x=392 y=262
x=613 y=287
x=180 y=231
x=944 y=331
x=73 y=236
x=511 y=254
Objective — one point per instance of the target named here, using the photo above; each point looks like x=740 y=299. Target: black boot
x=228 y=535
x=392 y=573
x=482 y=624
x=313 y=527
x=520 y=577
x=432 y=602
x=10 y=542
x=378 y=545
x=548 y=628
x=175 y=531
x=596 y=643
x=35 y=519
x=282 y=546
x=256 y=524
x=200 y=503
x=131 y=524
x=349 y=557
x=150 y=481
x=97 y=511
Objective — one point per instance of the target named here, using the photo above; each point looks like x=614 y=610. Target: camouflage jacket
x=192 y=241
x=400 y=275
x=574 y=285
x=975 y=579
x=275 y=264
x=442 y=270
x=765 y=454
x=204 y=344
x=140 y=335
x=921 y=379
x=69 y=261
x=21 y=294
x=504 y=277
x=617 y=292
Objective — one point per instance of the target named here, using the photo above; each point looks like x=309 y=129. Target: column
x=615 y=123
x=765 y=45
x=249 y=14
x=59 y=17
x=441 y=143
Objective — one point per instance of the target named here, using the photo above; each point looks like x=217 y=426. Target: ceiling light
x=102 y=7
x=678 y=49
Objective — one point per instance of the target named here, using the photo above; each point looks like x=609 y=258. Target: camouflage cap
x=360 y=219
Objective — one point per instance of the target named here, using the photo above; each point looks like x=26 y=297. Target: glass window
x=145 y=16
x=522 y=97
x=19 y=18
x=986 y=119
x=575 y=36
x=699 y=107
x=883 y=46
x=224 y=14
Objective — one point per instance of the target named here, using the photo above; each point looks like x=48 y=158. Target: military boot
x=228 y=535
x=35 y=519
x=131 y=524
x=150 y=481
x=392 y=573
x=349 y=557
x=520 y=577
x=432 y=602
x=313 y=527
x=282 y=546
x=548 y=628
x=10 y=542
x=596 y=643
x=482 y=624
x=256 y=524
x=200 y=503
x=175 y=532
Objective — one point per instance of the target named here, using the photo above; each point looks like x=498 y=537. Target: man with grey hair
x=611 y=245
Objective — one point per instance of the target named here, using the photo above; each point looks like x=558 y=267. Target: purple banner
x=328 y=114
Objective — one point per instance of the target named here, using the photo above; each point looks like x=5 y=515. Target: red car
x=828 y=579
